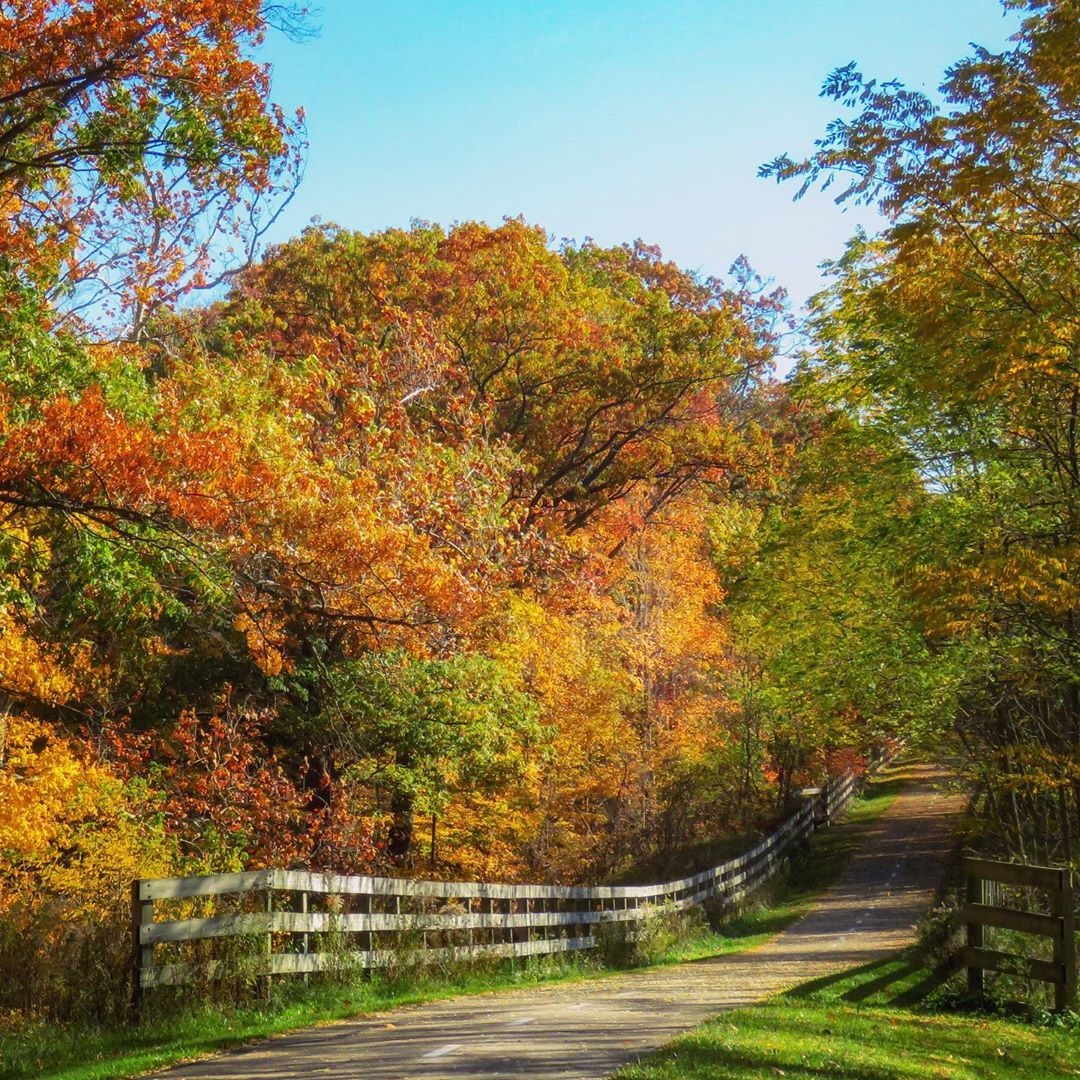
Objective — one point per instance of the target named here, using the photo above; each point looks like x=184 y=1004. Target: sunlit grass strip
x=853 y=1026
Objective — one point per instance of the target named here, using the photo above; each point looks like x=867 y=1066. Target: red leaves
x=82 y=456
x=225 y=796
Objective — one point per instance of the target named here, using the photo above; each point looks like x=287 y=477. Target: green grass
x=882 y=1021
x=82 y=1053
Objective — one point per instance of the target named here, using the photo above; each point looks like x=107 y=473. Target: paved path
x=587 y=1030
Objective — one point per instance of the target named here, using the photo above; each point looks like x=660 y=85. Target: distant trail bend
x=585 y=1031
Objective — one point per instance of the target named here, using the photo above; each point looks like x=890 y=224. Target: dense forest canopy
x=457 y=552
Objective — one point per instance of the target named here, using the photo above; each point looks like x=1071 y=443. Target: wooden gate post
x=142 y=955
x=1065 y=942
x=976 y=889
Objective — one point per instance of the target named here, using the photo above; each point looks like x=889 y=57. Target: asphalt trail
x=587 y=1030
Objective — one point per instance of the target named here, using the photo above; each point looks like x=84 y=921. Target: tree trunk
x=400 y=836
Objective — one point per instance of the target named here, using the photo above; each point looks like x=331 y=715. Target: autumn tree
x=607 y=370
x=956 y=333
x=579 y=395
x=138 y=146
x=828 y=642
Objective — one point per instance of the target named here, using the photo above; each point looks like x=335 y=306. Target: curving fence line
x=294 y=921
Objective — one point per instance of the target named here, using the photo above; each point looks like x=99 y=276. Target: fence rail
x=982 y=909
x=293 y=911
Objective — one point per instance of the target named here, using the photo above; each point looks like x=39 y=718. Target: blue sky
x=608 y=119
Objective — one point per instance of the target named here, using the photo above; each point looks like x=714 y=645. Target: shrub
x=648 y=938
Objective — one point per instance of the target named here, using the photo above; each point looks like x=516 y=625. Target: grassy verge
x=876 y=1022
x=51 y=1053
x=80 y=1053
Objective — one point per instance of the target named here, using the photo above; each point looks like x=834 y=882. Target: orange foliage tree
x=137 y=144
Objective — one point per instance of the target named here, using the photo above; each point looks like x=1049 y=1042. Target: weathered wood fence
x=985 y=908
x=297 y=922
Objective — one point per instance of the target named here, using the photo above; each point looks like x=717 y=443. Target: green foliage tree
x=957 y=333
x=831 y=653
x=418 y=731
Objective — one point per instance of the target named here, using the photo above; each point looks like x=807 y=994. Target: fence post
x=1065 y=942
x=366 y=940
x=305 y=939
x=975 y=934
x=487 y=933
x=268 y=949
x=142 y=914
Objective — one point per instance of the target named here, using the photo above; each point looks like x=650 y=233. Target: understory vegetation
x=460 y=553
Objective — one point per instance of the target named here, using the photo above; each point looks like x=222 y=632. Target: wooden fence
x=297 y=920
x=985 y=908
